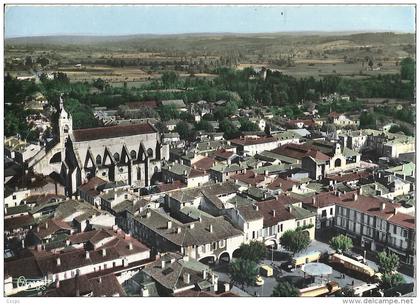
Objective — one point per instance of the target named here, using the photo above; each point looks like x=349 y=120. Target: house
x=222 y=172
x=282 y=214
x=341 y=120
x=188 y=175
x=174 y=273
x=171 y=138
x=84 y=286
x=90 y=190
x=107 y=251
x=197 y=235
x=377 y=224
x=251 y=145
x=178 y=104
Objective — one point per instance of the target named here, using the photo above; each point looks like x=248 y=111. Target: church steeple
x=65 y=123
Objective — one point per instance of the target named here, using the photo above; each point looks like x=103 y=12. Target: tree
x=99 y=83
x=229 y=129
x=408 y=68
x=204 y=125
x=341 y=243
x=329 y=128
x=295 y=241
x=388 y=262
x=367 y=120
x=43 y=61
x=392 y=279
x=254 y=251
x=169 y=79
x=184 y=130
x=243 y=271
x=285 y=289
x=247 y=125
x=168 y=112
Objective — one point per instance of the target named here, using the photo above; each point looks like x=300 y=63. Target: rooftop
x=90 y=134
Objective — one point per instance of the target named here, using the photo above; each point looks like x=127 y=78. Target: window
x=395 y=229
x=133 y=154
x=298 y=223
x=331 y=211
x=304 y=222
x=221 y=243
x=14 y=197
x=324 y=213
x=117 y=157
x=203 y=248
x=404 y=233
x=281 y=228
x=214 y=246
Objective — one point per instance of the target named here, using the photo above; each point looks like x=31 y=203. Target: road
x=270 y=282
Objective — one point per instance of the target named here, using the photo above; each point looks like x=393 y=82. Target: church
x=128 y=153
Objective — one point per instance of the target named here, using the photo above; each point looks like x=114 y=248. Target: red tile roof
x=92 y=184
x=223 y=153
x=204 y=164
x=137 y=105
x=171 y=186
x=326 y=199
x=348 y=177
x=89 y=134
x=253 y=141
x=299 y=151
x=279 y=205
x=283 y=184
x=250 y=178
x=372 y=206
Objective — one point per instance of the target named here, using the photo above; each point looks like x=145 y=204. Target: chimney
x=313 y=200
x=163 y=264
x=265 y=172
x=274 y=213
x=192 y=225
x=178 y=230
x=99 y=280
x=46 y=225
x=130 y=246
x=383 y=206
x=103 y=252
x=126 y=236
x=226 y=287
x=186 y=258
x=87 y=255
x=169 y=224
x=255 y=207
x=187 y=278
x=360 y=191
x=211 y=228
x=355 y=197
x=37 y=228
x=57 y=283
x=204 y=274
x=58 y=261
x=148 y=214
x=395 y=212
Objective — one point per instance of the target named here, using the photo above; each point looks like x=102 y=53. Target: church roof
x=89 y=134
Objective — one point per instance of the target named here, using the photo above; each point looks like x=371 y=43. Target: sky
x=33 y=20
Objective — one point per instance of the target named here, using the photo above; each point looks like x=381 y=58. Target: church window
x=133 y=154
x=98 y=159
x=150 y=152
x=117 y=157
